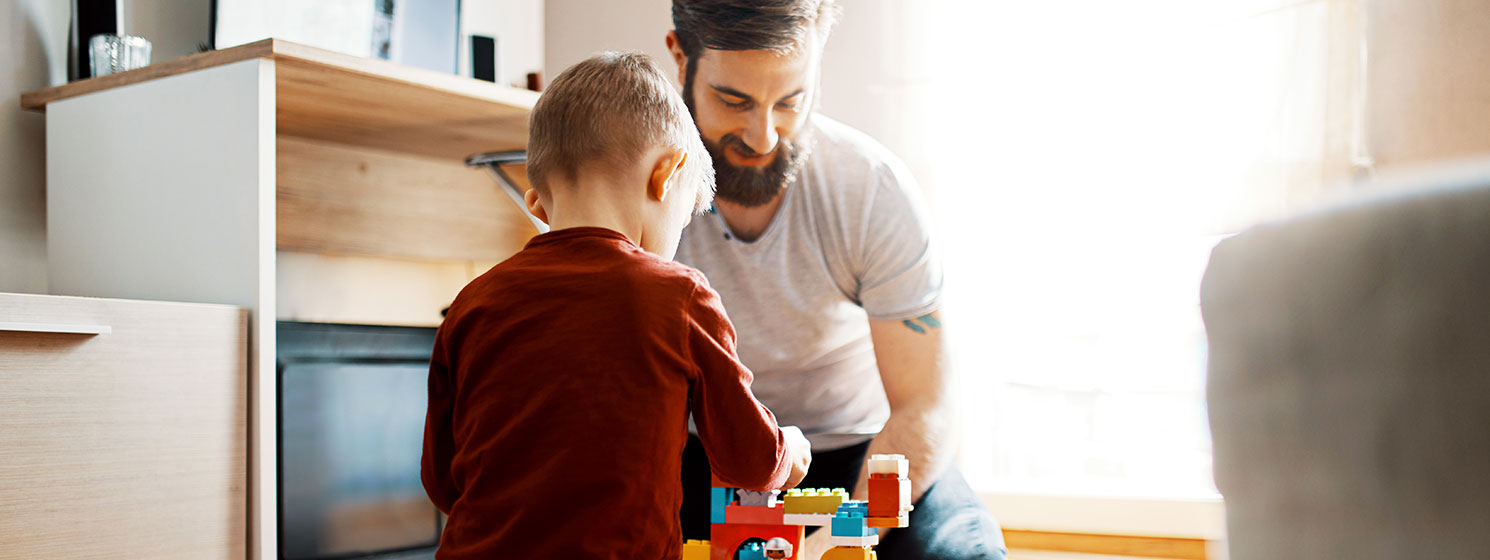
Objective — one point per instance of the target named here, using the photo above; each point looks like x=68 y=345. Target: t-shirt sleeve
x=439 y=440
x=899 y=274
x=746 y=448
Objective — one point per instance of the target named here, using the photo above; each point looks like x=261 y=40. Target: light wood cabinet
x=123 y=429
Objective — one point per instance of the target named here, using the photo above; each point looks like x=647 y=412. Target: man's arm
x=916 y=372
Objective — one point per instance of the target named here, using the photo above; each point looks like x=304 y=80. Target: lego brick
x=849 y=553
x=902 y=520
x=808 y=519
x=753 y=498
x=751 y=551
x=889 y=496
x=852 y=525
x=718 y=499
x=753 y=514
x=695 y=550
x=855 y=541
x=860 y=507
x=726 y=538
x=895 y=465
x=820 y=500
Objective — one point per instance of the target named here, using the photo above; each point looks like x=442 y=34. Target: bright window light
x=1083 y=157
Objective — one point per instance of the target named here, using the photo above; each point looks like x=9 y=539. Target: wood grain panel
x=381 y=111
x=1112 y=545
x=131 y=444
x=338 y=199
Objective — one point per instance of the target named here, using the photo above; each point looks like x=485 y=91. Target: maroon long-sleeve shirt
x=559 y=394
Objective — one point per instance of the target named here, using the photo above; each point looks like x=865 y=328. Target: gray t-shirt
x=850 y=243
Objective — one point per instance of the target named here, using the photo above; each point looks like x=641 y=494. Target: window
x=1082 y=158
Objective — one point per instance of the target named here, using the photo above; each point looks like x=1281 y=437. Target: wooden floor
x=1043 y=545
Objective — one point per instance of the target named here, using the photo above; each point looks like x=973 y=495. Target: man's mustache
x=734 y=141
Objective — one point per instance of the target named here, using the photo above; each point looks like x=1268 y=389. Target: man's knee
x=949 y=521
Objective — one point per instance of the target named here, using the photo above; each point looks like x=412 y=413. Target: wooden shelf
x=355 y=101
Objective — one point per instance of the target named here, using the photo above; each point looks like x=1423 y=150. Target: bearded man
x=821 y=251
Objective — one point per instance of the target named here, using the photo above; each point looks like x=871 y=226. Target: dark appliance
x=351 y=410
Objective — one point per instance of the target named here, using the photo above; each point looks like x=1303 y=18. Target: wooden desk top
x=356 y=101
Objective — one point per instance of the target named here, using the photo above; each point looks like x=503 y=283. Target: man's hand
x=800 y=454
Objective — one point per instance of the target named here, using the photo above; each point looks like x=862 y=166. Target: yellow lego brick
x=849 y=553
x=695 y=550
x=819 y=500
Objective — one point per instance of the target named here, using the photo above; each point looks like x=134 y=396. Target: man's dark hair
x=749 y=25
x=778 y=26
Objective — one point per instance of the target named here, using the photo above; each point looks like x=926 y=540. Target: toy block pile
x=767 y=525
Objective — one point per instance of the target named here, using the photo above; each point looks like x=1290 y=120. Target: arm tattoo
x=927 y=319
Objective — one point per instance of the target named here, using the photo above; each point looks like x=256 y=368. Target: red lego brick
x=888 y=497
x=758 y=515
x=726 y=538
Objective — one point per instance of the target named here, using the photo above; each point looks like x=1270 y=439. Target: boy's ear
x=676 y=48
x=668 y=166
x=535 y=206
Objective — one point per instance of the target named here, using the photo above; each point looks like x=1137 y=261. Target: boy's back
x=559 y=397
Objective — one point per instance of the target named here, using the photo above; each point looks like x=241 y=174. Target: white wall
x=518 y=27
x=33 y=54
x=575 y=29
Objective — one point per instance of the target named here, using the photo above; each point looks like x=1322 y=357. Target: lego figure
x=778 y=548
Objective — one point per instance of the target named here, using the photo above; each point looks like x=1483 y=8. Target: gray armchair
x=1349 y=378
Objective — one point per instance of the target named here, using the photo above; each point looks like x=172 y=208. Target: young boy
x=563 y=378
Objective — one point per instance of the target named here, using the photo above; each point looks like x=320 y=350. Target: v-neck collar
x=771 y=229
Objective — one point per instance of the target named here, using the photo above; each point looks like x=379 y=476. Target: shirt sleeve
x=900 y=276
x=746 y=448
x=439 y=441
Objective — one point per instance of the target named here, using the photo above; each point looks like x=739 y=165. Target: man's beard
x=750 y=186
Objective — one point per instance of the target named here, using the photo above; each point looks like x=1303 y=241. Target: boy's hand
x=801 y=454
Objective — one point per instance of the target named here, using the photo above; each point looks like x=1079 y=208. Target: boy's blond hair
x=604 y=114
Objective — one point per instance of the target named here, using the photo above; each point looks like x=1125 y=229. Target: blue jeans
x=949 y=520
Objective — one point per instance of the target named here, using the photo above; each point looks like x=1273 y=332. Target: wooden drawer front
x=129 y=444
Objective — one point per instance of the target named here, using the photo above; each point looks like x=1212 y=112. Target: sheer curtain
x=1082 y=157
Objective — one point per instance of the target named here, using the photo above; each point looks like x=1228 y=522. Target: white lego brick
x=889 y=464
x=762 y=499
x=870 y=540
x=807 y=519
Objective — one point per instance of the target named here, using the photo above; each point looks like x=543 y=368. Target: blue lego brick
x=751 y=551
x=718 y=498
x=857 y=506
x=852 y=525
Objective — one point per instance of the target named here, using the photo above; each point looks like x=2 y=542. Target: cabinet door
x=123 y=429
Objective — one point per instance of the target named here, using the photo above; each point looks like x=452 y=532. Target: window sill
x=1174 y=518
